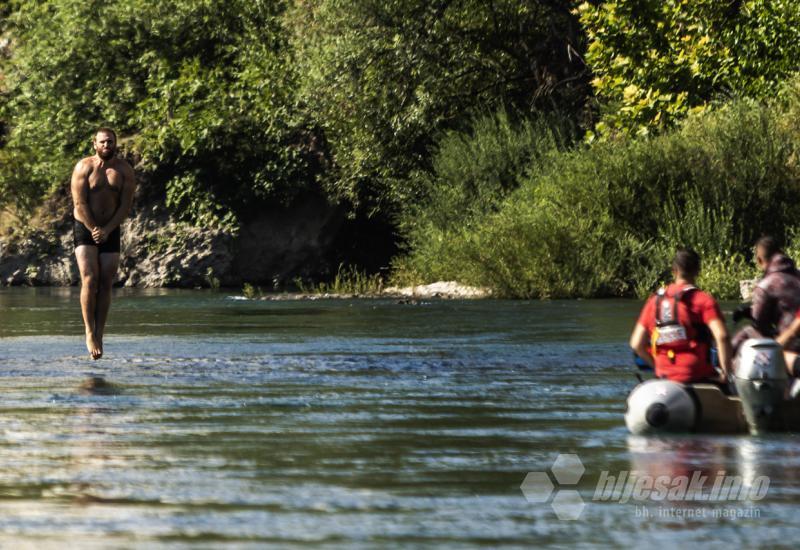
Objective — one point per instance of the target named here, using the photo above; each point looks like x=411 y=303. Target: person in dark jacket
x=776 y=297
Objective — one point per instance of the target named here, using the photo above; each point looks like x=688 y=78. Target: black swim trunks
x=81 y=235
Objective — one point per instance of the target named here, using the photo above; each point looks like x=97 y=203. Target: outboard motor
x=762 y=381
x=658 y=406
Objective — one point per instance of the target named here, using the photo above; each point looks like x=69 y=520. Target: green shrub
x=251 y=292
x=193 y=202
x=711 y=231
x=720 y=275
x=606 y=219
x=473 y=171
x=348 y=280
x=792 y=248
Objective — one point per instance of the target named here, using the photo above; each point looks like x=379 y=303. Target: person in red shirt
x=677 y=325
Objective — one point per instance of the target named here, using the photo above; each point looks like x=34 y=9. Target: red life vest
x=674 y=331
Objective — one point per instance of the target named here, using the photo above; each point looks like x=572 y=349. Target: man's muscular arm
x=100 y=234
x=720 y=333
x=790 y=333
x=80 y=195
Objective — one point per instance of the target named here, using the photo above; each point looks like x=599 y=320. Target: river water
x=350 y=424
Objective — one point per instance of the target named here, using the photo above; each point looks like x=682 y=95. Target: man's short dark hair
x=769 y=246
x=687 y=263
x=106 y=130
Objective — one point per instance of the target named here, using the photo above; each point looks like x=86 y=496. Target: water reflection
x=732 y=466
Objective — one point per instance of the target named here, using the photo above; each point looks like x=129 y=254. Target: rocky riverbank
x=160 y=251
x=448 y=290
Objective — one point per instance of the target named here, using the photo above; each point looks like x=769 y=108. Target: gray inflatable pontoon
x=765 y=402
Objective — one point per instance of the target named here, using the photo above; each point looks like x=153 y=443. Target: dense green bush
x=472 y=171
x=605 y=219
x=656 y=61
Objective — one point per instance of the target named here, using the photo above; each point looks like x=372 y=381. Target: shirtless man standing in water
x=102 y=192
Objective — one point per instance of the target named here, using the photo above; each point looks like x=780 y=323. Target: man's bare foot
x=95 y=350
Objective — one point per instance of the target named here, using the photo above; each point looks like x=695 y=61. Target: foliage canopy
x=383 y=77
x=656 y=61
x=237 y=102
x=202 y=89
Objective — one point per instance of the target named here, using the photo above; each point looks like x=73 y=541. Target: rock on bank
x=439 y=289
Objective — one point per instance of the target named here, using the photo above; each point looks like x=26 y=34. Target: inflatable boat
x=767 y=401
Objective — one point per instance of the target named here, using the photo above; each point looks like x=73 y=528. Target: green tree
x=655 y=61
x=383 y=77
x=201 y=89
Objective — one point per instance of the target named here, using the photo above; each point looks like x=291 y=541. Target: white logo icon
x=567 y=469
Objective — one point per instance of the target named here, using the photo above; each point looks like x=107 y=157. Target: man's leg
x=89 y=267
x=109 y=262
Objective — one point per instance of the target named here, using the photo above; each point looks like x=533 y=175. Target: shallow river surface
x=352 y=424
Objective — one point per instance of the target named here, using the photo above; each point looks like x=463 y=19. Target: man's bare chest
x=106 y=179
